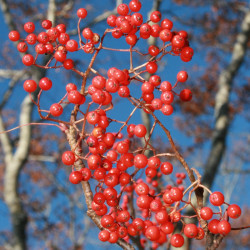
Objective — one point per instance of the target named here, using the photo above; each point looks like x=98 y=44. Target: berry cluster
x=110 y=162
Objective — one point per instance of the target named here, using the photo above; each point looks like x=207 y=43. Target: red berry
x=234 y=211
x=166 y=24
x=14 y=36
x=31 y=39
x=22 y=47
x=104 y=235
x=166 y=168
x=75 y=177
x=213 y=226
x=153 y=50
x=46 y=24
x=29 y=27
x=182 y=76
x=206 y=213
x=175 y=194
x=151 y=67
x=152 y=233
x=224 y=227
x=167 y=109
x=140 y=130
x=28 y=60
x=135 y=5
x=68 y=158
x=71 y=45
x=190 y=230
x=82 y=13
x=56 y=109
x=122 y=9
x=177 y=240
x=141 y=188
x=45 y=83
x=86 y=174
x=216 y=198
x=186 y=95
x=111 y=20
x=167 y=227
x=155 y=16
x=30 y=86
x=60 y=55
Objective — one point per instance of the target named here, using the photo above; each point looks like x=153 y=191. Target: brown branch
x=71 y=137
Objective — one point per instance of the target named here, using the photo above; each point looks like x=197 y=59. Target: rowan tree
x=86 y=129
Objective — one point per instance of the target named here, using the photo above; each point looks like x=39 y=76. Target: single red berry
x=29 y=27
x=131 y=39
x=14 y=36
x=136 y=19
x=224 y=227
x=135 y=5
x=166 y=168
x=30 y=86
x=177 y=240
x=31 y=39
x=216 y=198
x=186 y=95
x=140 y=130
x=28 y=60
x=142 y=188
x=68 y=158
x=167 y=227
x=75 y=177
x=206 y=213
x=143 y=201
x=111 y=20
x=166 y=24
x=40 y=48
x=45 y=83
x=75 y=97
x=71 y=45
x=99 y=198
x=56 y=109
x=151 y=67
x=178 y=42
x=87 y=33
x=176 y=194
x=22 y=47
x=213 y=226
x=234 y=211
x=104 y=235
x=60 y=55
x=122 y=9
x=161 y=216
x=63 y=38
x=152 y=233
x=68 y=64
x=46 y=24
x=167 y=109
x=82 y=13
x=182 y=76
x=165 y=35
x=190 y=230
x=156 y=103
x=86 y=174
x=155 y=16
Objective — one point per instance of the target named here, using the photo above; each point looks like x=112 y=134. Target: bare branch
x=51 y=11
x=222 y=122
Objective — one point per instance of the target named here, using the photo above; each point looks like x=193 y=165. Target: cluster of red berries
x=160 y=211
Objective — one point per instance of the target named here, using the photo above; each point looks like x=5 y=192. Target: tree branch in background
x=222 y=102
